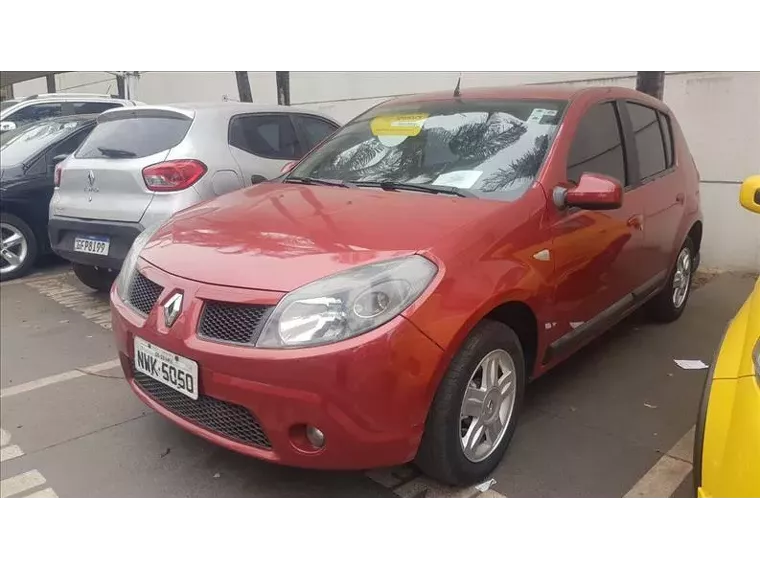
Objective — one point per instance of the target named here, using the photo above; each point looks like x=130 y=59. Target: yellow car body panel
x=727 y=445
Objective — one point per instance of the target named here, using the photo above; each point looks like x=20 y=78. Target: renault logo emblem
x=172 y=308
x=90 y=188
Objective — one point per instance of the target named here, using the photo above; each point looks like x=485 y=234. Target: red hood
x=281 y=236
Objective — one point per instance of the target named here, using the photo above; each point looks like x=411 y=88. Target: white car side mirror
x=7 y=125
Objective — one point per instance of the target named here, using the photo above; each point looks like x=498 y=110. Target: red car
x=388 y=299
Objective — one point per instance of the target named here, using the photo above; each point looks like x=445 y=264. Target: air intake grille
x=143 y=293
x=227 y=419
x=234 y=323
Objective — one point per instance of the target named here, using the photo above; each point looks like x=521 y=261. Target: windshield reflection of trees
x=437 y=150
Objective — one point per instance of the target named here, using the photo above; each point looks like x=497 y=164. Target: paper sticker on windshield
x=462 y=179
x=538 y=115
x=398 y=125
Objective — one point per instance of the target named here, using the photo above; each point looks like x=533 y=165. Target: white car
x=19 y=112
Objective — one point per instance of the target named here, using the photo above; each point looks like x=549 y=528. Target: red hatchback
x=389 y=298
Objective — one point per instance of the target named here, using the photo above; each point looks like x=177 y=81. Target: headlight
x=347 y=304
x=130 y=261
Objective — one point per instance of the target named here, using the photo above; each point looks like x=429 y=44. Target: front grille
x=227 y=419
x=143 y=293
x=235 y=323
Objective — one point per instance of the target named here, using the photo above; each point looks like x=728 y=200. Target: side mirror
x=593 y=192
x=59 y=158
x=749 y=195
x=288 y=167
x=7 y=125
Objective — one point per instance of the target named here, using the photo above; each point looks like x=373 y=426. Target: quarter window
x=647 y=135
x=268 y=136
x=598 y=146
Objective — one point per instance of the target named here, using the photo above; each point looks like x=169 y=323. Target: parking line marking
x=46 y=493
x=58 y=378
x=668 y=473
x=93 y=307
x=36 y=278
x=21 y=483
x=10 y=452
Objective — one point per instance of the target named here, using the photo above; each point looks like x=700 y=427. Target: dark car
x=27 y=181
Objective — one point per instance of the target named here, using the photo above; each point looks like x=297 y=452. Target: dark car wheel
x=671 y=301
x=95 y=277
x=18 y=247
x=474 y=412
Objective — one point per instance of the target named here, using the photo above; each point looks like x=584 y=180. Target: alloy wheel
x=682 y=278
x=13 y=248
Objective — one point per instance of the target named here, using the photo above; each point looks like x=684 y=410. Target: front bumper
x=369 y=395
x=63 y=230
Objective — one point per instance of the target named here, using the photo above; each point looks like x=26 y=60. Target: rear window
x=134 y=137
x=25 y=144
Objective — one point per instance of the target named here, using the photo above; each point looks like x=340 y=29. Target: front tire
x=474 y=412
x=671 y=301
x=97 y=278
x=18 y=247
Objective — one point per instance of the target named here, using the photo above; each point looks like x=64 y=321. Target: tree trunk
x=50 y=79
x=283 y=87
x=244 y=86
x=651 y=82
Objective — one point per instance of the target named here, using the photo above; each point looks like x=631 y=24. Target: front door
x=596 y=253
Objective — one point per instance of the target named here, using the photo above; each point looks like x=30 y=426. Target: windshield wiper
x=115 y=152
x=427 y=188
x=321 y=182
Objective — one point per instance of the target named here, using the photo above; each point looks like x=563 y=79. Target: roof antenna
x=457 y=92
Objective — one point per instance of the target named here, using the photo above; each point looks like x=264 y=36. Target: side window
x=92 y=107
x=648 y=138
x=315 y=130
x=34 y=113
x=598 y=146
x=267 y=136
x=70 y=145
x=667 y=136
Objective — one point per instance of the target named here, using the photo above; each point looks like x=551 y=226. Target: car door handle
x=636 y=221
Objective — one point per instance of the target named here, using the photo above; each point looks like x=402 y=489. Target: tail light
x=57 y=174
x=173 y=175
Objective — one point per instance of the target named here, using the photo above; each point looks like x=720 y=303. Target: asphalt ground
x=615 y=420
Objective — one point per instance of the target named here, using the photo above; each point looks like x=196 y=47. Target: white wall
x=718 y=112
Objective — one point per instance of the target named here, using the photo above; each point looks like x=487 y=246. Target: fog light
x=315 y=436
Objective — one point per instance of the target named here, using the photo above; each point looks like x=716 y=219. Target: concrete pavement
x=612 y=421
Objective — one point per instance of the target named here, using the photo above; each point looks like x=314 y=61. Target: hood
x=281 y=236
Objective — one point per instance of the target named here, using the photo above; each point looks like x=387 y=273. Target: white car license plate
x=170 y=369
x=92 y=244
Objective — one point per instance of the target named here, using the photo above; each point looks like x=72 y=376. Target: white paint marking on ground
x=93 y=307
x=58 y=378
x=37 y=278
x=406 y=482
x=490 y=494
x=668 y=473
x=10 y=452
x=46 y=493
x=21 y=483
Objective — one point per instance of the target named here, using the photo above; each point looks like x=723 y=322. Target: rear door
x=312 y=130
x=104 y=180
x=262 y=143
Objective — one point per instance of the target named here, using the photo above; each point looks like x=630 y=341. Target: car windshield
x=19 y=147
x=491 y=149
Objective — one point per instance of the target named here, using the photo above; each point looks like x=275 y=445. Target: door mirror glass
x=593 y=192
x=7 y=125
x=749 y=195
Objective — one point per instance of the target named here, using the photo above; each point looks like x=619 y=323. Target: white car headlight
x=346 y=304
x=130 y=261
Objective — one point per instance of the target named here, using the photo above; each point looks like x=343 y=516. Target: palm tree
x=651 y=82
x=244 y=86
x=525 y=167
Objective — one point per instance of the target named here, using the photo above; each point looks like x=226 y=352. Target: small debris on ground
x=483 y=486
x=691 y=364
x=163 y=454
x=217 y=475
x=650 y=406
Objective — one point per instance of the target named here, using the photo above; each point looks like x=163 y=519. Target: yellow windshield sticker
x=398 y=125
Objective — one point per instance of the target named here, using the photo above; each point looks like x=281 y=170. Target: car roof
x=546 y=91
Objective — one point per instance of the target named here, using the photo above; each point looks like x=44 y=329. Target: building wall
x=717 y=112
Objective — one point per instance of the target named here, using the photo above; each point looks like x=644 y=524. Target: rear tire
x=22 y=253
x=449 y=425
x=96 y=278
x=668 y=305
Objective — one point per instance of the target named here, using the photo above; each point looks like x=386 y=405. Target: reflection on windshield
x=22 y=143
x=494 y=149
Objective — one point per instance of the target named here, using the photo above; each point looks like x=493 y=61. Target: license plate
x=91 y=244
x=166 y=367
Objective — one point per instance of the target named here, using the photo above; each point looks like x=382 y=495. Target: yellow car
x=727 y=441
